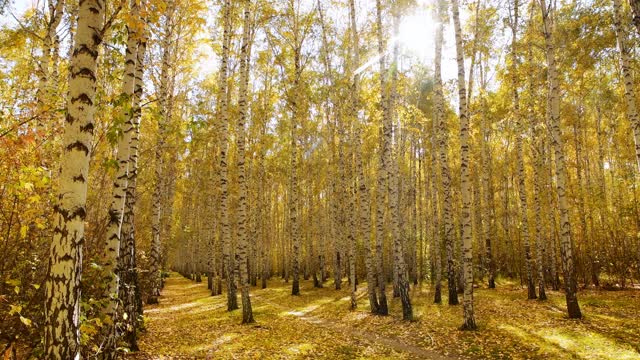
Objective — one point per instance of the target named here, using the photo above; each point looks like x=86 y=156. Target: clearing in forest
x=318 y=324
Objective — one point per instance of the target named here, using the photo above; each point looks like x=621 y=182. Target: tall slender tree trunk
x=465 y=180
x=627 y=76
x=353 y=212
x=111 y=252
x=538 y=155
x=489 y=201
x=393 y=177
x=522 y=183
x=443 y=140
x=263 y=235
x=62 y=294
x=365 y=206
x=245 y=58
x=566 y=242
x=223 y=114
x=337 y=183
x=435 y=201
x=487 y=183
x=132 y=301
x=160 y=174
x=382 y=171
x=553 y=227
x=45 y=75
x=295 y=103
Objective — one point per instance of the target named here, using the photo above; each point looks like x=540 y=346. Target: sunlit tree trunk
x=44 y=91
x=413 y=209
x=132 y=301
x=489 y=200
x=214 y=226
x=582 y=172
x=589 y=211
x=245 y=58
x=262 y=216
x=520 y=128
x=160 y=174
x=465 y=183
x=223 y=115
x=553 y=227
x=363 y=191
x=538 y=155
x=382 y=171
x=394 y=177
x=336 y=201
x=566 y=242
x=62 y=294
x=603 y=208
x=210 y=227
x=440 y=185
x=353 y=212
x=627 y=76
x=435 y=208
x=443 y=141
x=296 y=109
x=111 y=251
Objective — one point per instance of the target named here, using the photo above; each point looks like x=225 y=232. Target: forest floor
x=188 y=323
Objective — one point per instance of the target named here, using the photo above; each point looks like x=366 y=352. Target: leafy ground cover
x=189 y=323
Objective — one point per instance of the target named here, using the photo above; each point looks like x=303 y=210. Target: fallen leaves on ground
x=318 y=324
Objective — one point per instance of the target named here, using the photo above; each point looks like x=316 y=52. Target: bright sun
x=417 y=33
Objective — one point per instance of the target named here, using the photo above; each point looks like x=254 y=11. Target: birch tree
x=125 y=129
x=245 y=58
x=62 y=306
x=627 y=77
x=222 y=114
x=365 y=205
x=522 y=191
x=44 y=92
x=465 y=181
x=566 y=243
x=161 y=181
x=129 y=287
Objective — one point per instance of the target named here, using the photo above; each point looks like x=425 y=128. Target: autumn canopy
x=435 y=179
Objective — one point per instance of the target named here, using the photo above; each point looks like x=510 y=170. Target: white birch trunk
x=465 y=183
x=62 y=306
x=566 y=242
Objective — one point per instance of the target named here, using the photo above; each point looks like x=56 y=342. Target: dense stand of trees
x=250 y=140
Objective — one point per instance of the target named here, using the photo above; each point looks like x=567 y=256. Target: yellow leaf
x=25 y=320
x=14 y=309
x=23 y=231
